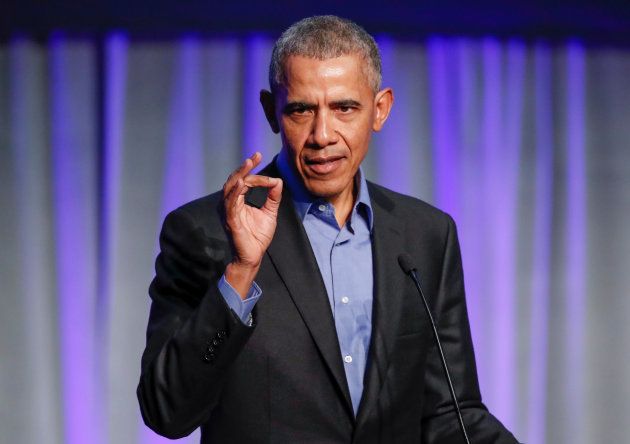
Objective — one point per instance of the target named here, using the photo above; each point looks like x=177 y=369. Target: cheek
x=357 y=137
x=293 y=135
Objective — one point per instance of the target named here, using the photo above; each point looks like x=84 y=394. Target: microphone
x=406 y=263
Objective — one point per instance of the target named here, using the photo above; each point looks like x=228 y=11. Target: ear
x=269 y=106
x=383 y=102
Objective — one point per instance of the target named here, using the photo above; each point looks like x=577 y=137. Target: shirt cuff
x=242 y=307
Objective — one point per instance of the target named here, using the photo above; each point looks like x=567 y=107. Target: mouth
x=322 y=165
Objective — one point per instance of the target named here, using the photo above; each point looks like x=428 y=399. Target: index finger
x=255 y=180
x=242 y=171
x=249 y=164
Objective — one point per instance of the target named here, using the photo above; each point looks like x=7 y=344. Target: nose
x=323 y=131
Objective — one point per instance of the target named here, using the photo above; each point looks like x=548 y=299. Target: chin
x=324 y=189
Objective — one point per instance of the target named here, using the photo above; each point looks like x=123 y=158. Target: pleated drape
x=524 y=143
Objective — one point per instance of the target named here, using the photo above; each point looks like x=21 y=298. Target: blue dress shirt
x=344 y=258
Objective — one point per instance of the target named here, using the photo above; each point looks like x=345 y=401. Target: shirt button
x=322 y=207
x=345 y=300
x=348 y=359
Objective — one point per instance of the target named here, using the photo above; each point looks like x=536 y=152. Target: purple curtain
x=524 y=143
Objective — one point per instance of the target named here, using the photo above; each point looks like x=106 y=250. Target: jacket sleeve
x=440 y=425
x=192 y=334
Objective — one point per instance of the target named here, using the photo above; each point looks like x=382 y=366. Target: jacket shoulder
x=408 y=207
x=205 y=208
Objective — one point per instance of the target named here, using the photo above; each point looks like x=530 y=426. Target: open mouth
x=324 y=165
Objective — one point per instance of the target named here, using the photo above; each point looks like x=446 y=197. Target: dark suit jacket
x=282 y=379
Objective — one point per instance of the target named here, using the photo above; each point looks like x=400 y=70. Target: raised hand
x=251 y=229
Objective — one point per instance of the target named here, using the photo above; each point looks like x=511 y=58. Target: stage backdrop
x=526 y=144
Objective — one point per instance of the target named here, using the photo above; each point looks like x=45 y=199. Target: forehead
x=346 y=71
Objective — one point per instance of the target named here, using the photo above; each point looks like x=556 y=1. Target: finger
x=242 y=171
x=255 y=180
x=248 y=165
x=274 y=196
x=256 y=158
x=234 y=202
x=242 y=186
x=233 y=194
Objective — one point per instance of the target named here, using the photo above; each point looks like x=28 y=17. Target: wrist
x=241 y=276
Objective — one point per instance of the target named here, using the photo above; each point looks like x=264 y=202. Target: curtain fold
x=525 y=144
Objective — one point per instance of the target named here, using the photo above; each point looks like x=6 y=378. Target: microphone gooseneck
x=406 y=263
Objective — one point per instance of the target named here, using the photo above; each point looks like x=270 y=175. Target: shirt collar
x=302 y=199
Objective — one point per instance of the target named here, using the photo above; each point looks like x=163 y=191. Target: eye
x=299 y=111
x=346 y=107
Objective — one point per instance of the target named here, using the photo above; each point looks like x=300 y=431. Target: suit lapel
x=389 y=284
x=291 y=255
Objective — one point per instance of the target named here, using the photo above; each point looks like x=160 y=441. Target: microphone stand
x=405 y=262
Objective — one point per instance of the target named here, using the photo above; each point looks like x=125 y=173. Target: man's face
x=326 y=113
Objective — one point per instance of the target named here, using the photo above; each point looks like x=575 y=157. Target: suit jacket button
x=221 y=334
x=208 y=357
x=215 y=342
x=211 y=349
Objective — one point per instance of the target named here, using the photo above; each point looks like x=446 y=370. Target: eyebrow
x=294 y=106
x=347 y=103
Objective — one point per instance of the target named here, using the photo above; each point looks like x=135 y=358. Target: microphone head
x=406 y=263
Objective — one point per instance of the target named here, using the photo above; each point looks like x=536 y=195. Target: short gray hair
x=324 y=37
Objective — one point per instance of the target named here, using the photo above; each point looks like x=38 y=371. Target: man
x=280 y=313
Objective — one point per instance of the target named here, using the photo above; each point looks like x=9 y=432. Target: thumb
x=274 y=195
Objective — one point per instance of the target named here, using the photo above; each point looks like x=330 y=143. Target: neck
x=343 y=204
